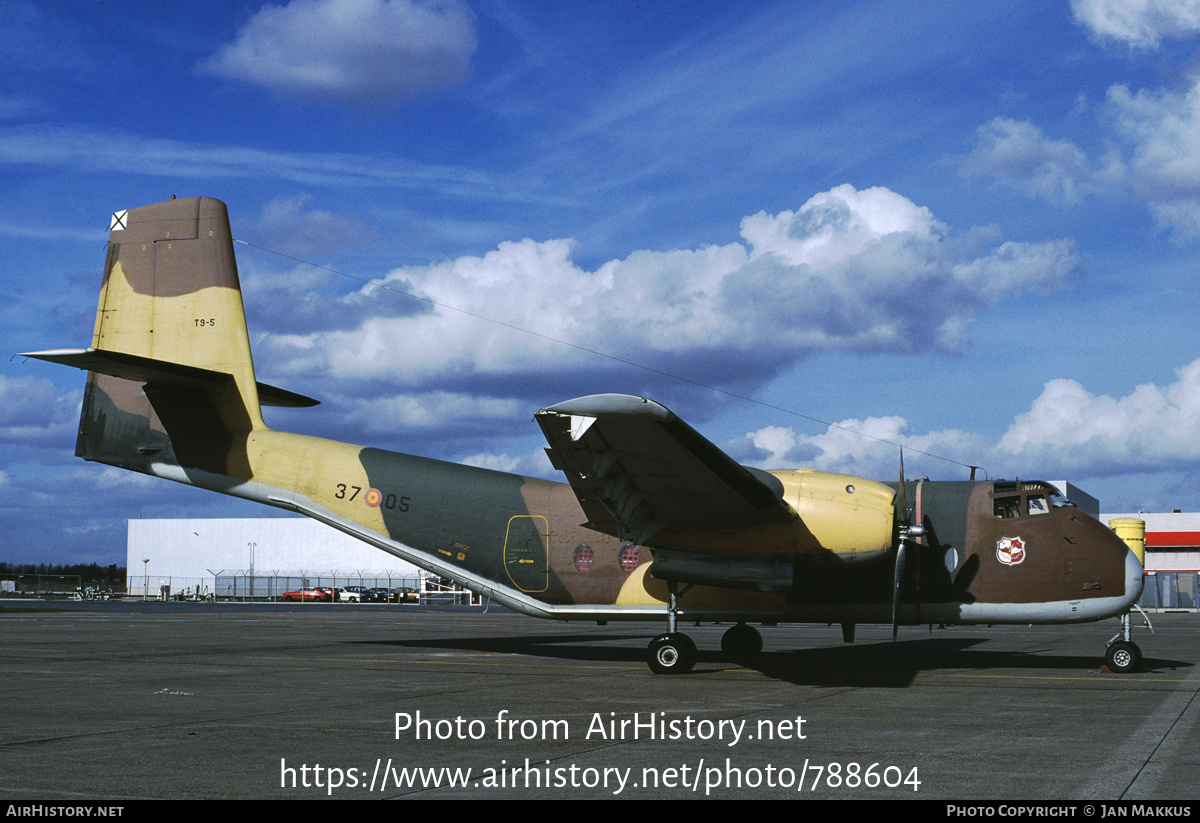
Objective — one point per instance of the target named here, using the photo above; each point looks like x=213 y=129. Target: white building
x=267 y=555
x=1172 y=539
x=1172 y=559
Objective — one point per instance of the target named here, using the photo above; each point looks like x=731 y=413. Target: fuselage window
x=629 y=557
x=1037 y=504
x=585 y=558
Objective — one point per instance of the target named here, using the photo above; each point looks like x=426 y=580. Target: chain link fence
x=1171 y=590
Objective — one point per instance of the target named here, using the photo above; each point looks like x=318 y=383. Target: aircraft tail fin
x=171 y=378
x=171 y=292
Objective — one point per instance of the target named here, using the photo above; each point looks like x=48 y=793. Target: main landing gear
x=671 y=653
x=675 y=652
x=741 y=643
x=1123 y=655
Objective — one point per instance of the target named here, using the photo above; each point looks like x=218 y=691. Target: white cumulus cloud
x=860 y=271
x=868 y=448
x=32 y=409
x=1067 y=431
x=1017 y=154
x=1158 y=131
x=1151 y=428
x=1163 y=129
x=1138 y=23
x=362 y=52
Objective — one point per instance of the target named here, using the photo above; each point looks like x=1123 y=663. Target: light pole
x=250 y=587
x=146 y=586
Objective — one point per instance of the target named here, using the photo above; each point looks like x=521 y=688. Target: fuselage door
x=526 y=552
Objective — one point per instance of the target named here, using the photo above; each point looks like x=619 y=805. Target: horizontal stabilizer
x=162 y=373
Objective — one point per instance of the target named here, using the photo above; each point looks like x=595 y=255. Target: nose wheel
x=1123 y=655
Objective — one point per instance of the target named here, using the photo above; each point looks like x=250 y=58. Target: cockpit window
x=1007 y=507
x=1016 y=499
x=1058 y=501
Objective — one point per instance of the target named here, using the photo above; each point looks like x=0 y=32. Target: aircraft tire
x=1122 y=657
x=741 y=642
x=671 y=654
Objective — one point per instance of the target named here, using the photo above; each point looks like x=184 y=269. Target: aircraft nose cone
x=1134 y=577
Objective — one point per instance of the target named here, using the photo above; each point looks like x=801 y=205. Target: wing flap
x=637 y=469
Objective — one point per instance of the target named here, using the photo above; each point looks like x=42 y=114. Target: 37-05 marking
x=374 y=498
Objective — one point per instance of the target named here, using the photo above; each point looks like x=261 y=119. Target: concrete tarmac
x=122 y=701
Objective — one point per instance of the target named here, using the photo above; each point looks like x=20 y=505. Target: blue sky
x=969 y=228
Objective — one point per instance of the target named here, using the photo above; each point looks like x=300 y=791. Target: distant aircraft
x=654 y=523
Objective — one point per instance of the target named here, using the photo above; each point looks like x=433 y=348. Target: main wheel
x=1123 y=657
x=671 y=654
x=741 y=642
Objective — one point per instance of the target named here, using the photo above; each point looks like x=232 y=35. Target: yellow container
x=1133 y=532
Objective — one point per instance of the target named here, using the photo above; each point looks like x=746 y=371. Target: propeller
x=905 y=529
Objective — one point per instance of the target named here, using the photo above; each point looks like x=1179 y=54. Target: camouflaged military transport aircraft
x=653 y=523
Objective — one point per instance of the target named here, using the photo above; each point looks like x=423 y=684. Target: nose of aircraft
x=1134 y=578
x=1132 y=533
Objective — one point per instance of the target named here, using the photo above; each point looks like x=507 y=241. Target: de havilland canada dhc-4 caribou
x=654 y=522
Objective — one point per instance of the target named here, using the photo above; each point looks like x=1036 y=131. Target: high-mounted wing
x=637 y=470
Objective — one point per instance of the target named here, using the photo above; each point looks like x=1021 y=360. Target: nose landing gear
x=1123 y=655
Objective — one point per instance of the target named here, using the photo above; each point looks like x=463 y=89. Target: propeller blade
x=902 y=533
x=917 y=574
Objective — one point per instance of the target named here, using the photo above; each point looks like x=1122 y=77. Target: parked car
x=352 y=594
x=308 y=593
x=404 y=594
x=377 y=595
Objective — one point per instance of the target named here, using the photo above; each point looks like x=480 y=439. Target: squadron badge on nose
x=1010 y=550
